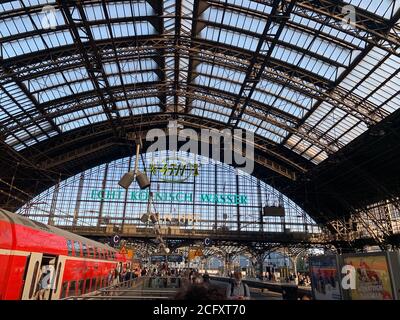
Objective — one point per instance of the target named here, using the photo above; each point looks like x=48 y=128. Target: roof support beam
x=280 y=12
x=92 y=59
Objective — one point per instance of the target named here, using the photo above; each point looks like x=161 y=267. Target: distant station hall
x=199 y=150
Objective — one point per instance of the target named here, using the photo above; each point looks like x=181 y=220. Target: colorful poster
x=372 y=278
x=325 y=278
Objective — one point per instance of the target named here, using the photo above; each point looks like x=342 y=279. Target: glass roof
x=297 y=74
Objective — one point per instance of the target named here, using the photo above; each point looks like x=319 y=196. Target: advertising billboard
x=155 y=259
x=175 y=258
x=373 y=281
x=325 y=278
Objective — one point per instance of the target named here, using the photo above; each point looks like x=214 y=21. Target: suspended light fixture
x=142 y=180
x=144 y=218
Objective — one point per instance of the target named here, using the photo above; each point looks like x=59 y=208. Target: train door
x=41 y=277
x=33 y=269
x=58 y=278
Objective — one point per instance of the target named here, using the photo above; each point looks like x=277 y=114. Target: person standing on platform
x=237 y=290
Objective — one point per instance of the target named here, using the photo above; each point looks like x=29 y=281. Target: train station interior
x=199 y=150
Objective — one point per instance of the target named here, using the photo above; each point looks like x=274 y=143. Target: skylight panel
x=199 y=104
x=331 y=51
x=14 y=100
x=145 y=110
x=53 y=94
x=15 y=25
x=318 y=67
x=42 y=23
x=209 y=115
x=284 y=54
x=381 y=8
x=269 y=135
x=57 y=39
x=312 y=152
x=11 y=140
x=69 y=117
x=293 y=96
x=296 y=37
x=353 y=133
x=142 y=101
x=57 y=78
x=273 y=128
x=235 y=19
x=22 y=46
x=250 y=4
x=302 y=146
x=217 y=84
x=252 y=120
x=35 y=43
x=327 y=30
x=230 y=38
x=215 y=116
x=74 y=124
x=221 y=72
x=97 y=118
x=277 y=103
x=247 y=126
x=16 y=4
x=322 y=110
x=11 y=5
x=94 y=12
x=376 y=78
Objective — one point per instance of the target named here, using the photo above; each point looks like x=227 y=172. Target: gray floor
x=257 y=294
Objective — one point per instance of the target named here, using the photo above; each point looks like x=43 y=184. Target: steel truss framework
x=300 y=74
x=227 y=251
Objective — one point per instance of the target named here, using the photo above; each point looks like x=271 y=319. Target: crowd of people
x=119 y=274
x=304 y=279
x=199 y=287
x=301 y=278
x=193 y=285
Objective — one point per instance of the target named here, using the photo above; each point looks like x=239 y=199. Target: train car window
x=58 y=276
x=64 y=290
x=91 y=254
x=71 y=291
x=77 y=247
x=69 y=246
x=93 y=284
x=80 y=287
x=87 y=286
x=34 y=277
x=96 y=253
x=109 y=254
x=84 y=249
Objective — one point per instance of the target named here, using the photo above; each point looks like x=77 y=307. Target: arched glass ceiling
x=179 y=191
x=291 y=71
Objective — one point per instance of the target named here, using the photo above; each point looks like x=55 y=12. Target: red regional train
x=30 y=250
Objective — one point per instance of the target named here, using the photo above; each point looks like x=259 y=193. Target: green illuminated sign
x=173 y=169
x=221 y=198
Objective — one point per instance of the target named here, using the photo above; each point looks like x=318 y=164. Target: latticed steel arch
x=298 y=73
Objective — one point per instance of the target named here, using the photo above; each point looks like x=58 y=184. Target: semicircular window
x=188 y=191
